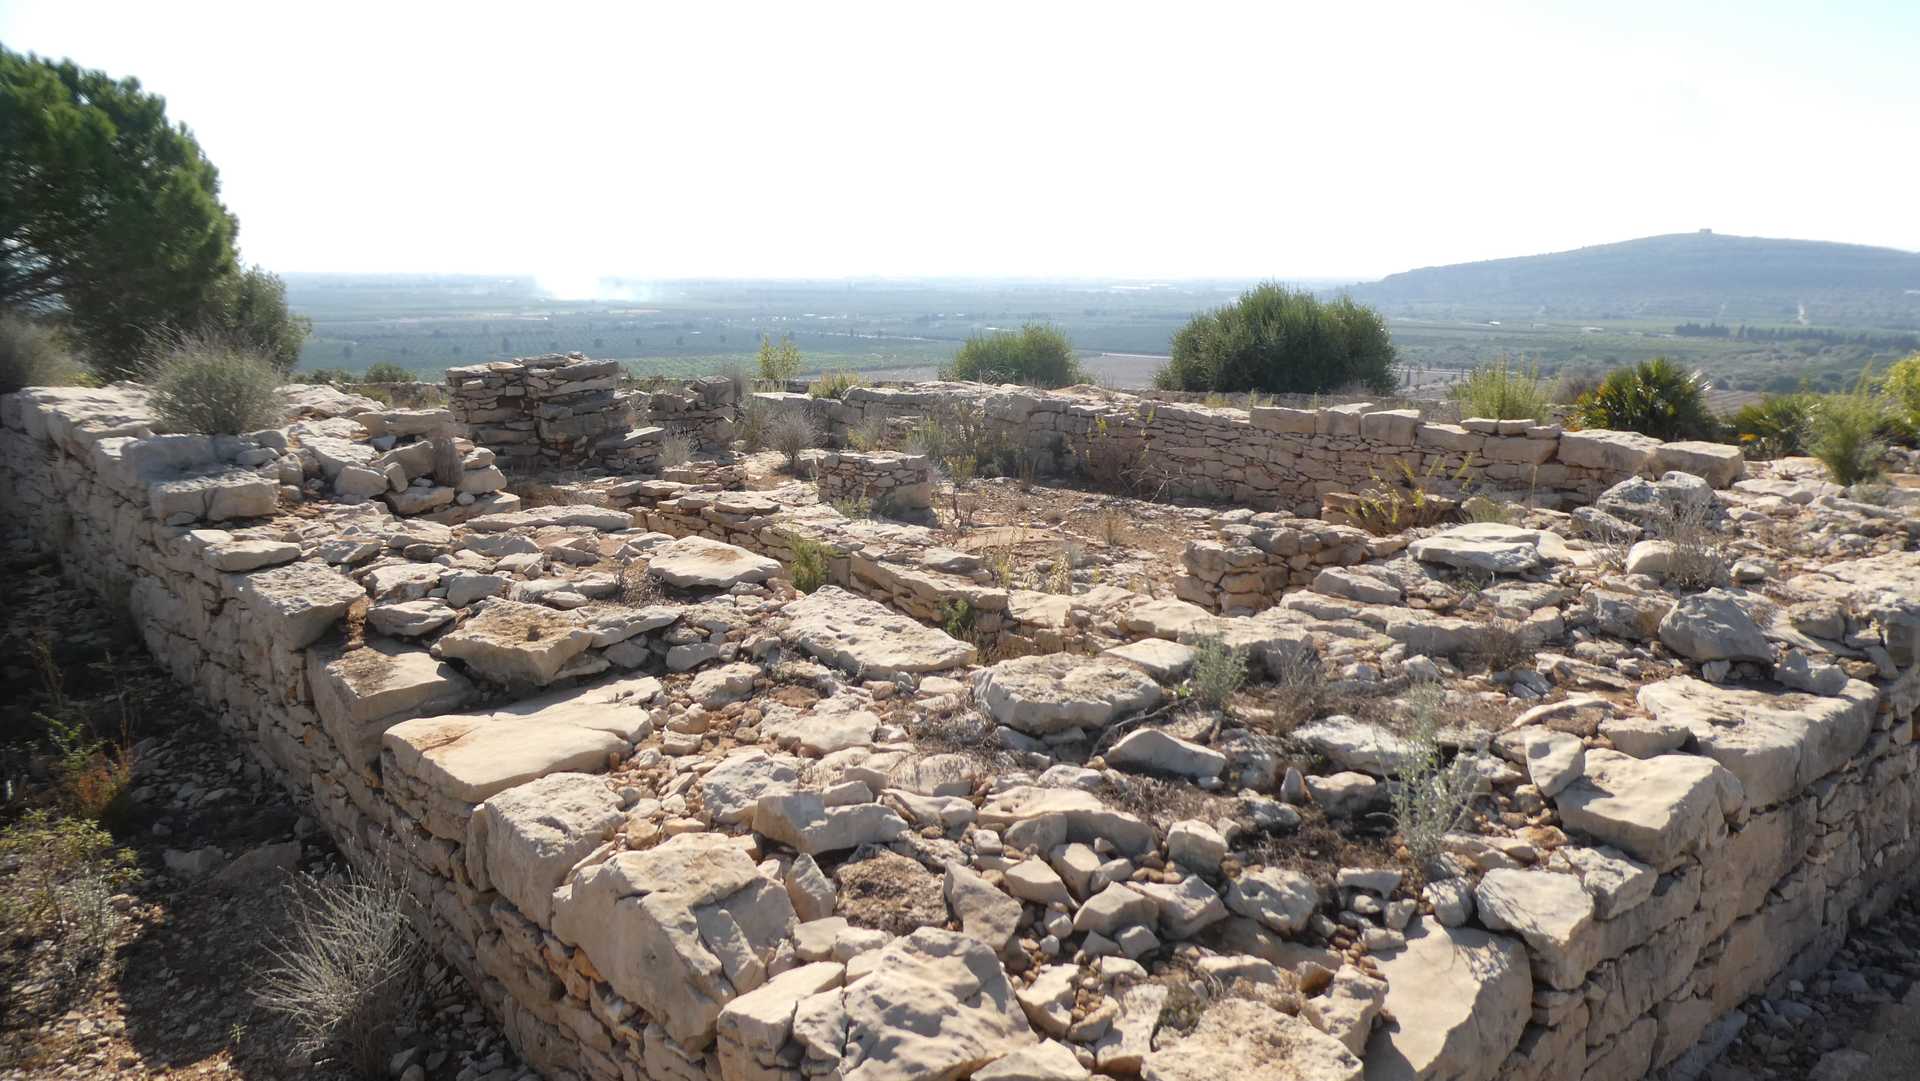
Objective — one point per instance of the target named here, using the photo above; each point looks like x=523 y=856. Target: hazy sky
x=1035 y=138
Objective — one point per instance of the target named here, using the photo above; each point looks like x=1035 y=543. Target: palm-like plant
x=1655 y=397
x=1775 y=427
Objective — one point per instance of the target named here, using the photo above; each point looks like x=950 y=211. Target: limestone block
x=680 y=929
x=1553 y=912
x=298 y=602
x=1619 y=453
x=1775 y=742
x=468 y=757
x=697 y=562
x=1273 y=418
x=1394 y=427
x=359 y=694
x=1719 y=464
x=1658 y=810
x=867 y=639
x=1054 y=692
x=934 y=1004
x=523 y=841
x=513 y=642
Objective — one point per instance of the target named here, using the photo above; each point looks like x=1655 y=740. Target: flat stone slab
x=1459 y=999
x=1352 y=744
x=1156 y=751
x=602 y=518
x=301 y=601
x=362 y=692
x=1041 y=695
x=469 y=757
x=1615 y=452
x=1659 y=810
x=1776 y=742
x=1714 y=626
x=513 y=642
x=701 y=563
x=866 y=639
x=1165 y=661
x=1490 y=548
x=935 y=1004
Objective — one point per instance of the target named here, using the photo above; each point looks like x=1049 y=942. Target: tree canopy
x=110 y=218
x=1281 y=341
x=1036 y=355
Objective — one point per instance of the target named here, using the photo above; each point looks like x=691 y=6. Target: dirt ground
x=170 y=992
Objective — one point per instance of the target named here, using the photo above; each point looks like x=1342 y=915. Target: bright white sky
x=1101 y=139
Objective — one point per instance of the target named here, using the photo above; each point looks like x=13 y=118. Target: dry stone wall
x=1724 y=844
x=1261 y=557
x=560 y=411
x=702 y=412
x=901 y=484
x=1271 y=457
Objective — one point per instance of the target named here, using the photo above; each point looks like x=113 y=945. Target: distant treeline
x=1743 y=332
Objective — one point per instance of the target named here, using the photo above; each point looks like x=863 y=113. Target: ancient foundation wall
x=560 y=411
x=1711 y=875
x=1260 y=557
x=1271 y=457
x=901 y=483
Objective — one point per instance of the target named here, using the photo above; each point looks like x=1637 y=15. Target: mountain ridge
x=1679 y=275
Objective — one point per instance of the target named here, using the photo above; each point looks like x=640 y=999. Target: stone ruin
x=673 y=819
x=554 y=412
x=901 y=484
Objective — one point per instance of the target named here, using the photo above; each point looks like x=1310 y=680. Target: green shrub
x=388 y=372
x=1282 y=341
x=756 y=417
x=215 y=388
x=324 y=376
x=1777 y=426
x=778 y=363
x=853 y=510
x=792 y=433
x=833 y=385
x=808 y=568
x=1574 y=384
x=31 y=356
x=63 y=873
x=1502 y=391
x=957 y=619
x=249 y=306
x=1431 y=796
x=1036 y=355
x=1218 y=671
x=1903 y=388
x=1848 y=432
x=1655 y=397
x=869 y=434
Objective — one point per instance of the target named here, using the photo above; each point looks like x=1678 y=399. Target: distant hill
x=1679 y=277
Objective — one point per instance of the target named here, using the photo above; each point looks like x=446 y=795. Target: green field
x=909 y=328
x=429 y=324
